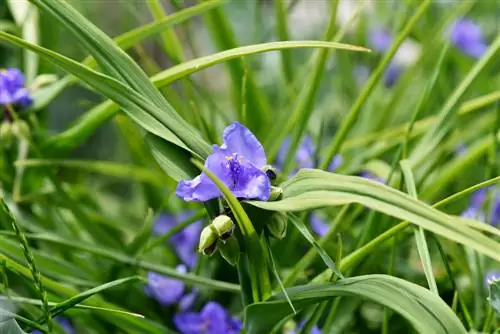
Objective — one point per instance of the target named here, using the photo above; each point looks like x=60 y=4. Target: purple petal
x=473 y=213
x=167 y=291
x=238 y=139
x=190 y=323
x=216 y=316
x=336 y=163
x=380 y=40
x=468 y=38
x=318 y=225
x=187 y=301
x=305 y=153
x=252 y=183
x=392 y=75
x=478 y=198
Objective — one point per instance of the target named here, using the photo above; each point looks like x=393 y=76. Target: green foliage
x=88 y=213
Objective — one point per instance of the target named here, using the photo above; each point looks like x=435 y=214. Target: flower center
x=233 y=163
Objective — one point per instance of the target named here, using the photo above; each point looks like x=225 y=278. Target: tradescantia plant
x=251 y=181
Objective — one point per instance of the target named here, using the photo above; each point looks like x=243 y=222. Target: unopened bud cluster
x=219 y=235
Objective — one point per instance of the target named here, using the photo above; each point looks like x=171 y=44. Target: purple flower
x=305 y=155
x=185 y=241
x=380 y=40
x=65 y=325
x=476 y=203
x=491 y=276
x=391 y=75
x=167 y=291
x=237 y=163
x=468 y=38
x=12 y=89
x=318 y=225
x=213 y=319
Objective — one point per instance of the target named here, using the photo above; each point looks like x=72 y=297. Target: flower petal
x=252 y=183
x=190 y=323
x=166 y=291
x=238 y=139
x=216 y=316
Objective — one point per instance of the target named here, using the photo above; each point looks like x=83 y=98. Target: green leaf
x=299 y=225
x=140 y=174
x=70 y=302
x=92 y=119
x=311 y=189
x=426 y=312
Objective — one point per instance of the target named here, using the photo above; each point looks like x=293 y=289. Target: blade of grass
x=37 y=277
x=423 y=249
x=281 y=15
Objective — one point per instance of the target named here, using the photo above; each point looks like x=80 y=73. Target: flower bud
x=276 y=194
x=277 y=225
x=6 y=134
x=224 y=227
x=208 y=241
x=230 y=251
x=271 y=172
x=21 y=129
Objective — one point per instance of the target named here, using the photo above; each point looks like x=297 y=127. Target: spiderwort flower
x=491 y=276
x=318 y=225
x=237 y=163
x=495 y=211
x=12 y=89
x=468 y=38
x=212 y=319
x=475 y=208
x=185 y=241
x=167 y=291
x=380 y=40
x=305 y=156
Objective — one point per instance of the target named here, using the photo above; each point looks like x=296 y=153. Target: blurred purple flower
x=476 y=203
x=491 y=276
x=185 y=241
x=318 y=225
x=392 y=74
x=167 y=291
x=305 y=155
x=380 y=40
x=213 y=319
x=65 y=325
x=468 y=38
x=237 y=162
x=12 y=89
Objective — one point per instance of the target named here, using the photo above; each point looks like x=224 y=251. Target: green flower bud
x=230 y=251
x=277 y=225
x=276 y=194
x=208 y=241
x=271 y=172
x=6 y=134
x=21 y=129
x=224 y=227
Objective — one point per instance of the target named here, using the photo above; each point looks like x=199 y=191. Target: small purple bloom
x=318 y=225
x=305 y=155
x=187 y=301
x=473 y=213
x=391 y=75
x=12 y=89
x=185 y=241
x=491 y=276
x=380 y=40
x=167 y=291
x=213 y=319
x=237 y=163
x=478 y=198
x=468 y=38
